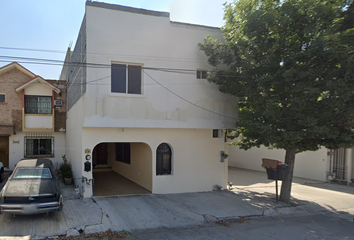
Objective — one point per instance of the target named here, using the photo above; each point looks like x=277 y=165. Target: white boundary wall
x=311 y=164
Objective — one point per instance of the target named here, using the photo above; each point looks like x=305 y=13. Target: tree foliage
x=291 y=65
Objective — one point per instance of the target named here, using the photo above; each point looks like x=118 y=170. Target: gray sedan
x=32 y=188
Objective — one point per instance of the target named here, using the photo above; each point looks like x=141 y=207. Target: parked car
x=32 y=188
x=1 y=172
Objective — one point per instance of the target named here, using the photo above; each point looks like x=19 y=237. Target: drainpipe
x=349 y=164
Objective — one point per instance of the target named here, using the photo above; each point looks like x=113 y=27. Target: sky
x=54 y=25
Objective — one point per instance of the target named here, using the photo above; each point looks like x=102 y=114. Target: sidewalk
x=311 y=193
x=134 y=213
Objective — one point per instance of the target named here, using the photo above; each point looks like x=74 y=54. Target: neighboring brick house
x=32 y=116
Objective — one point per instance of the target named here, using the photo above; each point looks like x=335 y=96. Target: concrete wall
x=75 y=74
x=310 y=164
x=153 y=42
x=74 y=138
x=17 y=148
x=196 y=162
x=140 y=168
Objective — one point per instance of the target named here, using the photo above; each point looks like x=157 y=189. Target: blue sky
x=52 y=25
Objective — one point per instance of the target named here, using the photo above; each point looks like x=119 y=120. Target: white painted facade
x=153 y=42
x=115 y=34
x=17 y=149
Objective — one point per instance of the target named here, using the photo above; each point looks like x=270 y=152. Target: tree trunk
x=285 y=192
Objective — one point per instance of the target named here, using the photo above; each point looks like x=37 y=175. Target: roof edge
x=128 y=9
x=29 y=82
x=18 y=66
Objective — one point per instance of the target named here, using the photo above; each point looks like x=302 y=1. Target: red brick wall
x=60 y=112
x=11 y=111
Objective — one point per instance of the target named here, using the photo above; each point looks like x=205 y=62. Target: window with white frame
x=126 y=78
x=41 y=146
x=38 y=104
x=202 y=74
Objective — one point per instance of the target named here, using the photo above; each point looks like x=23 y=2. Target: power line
x=32 y=50
x=101 y=65
x=188 y=100
x=87 y=64
x=104 y=54
x=158 y=83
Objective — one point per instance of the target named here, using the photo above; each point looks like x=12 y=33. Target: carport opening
x=122 y=168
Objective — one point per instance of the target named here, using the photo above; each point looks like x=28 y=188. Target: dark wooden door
x=100 y=154
x=4 y=150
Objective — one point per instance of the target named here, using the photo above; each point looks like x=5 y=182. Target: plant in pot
x=66 y=171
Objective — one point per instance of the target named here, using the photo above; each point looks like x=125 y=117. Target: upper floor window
x=125 y=78
x=163 y=159
x=202 y=74
x=38 y=104
x=2 y=98
x=39 y=146
x=215 y=133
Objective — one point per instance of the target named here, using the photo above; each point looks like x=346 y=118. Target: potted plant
x=66 y=171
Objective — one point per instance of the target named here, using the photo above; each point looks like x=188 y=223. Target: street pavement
x=288 y=227
x=250 y=197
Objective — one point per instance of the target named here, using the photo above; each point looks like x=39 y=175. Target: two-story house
x=32 y=116
x=139 y=103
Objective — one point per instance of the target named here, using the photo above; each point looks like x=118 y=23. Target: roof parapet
x=128 y=9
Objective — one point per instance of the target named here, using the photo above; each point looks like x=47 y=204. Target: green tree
x=290 y=63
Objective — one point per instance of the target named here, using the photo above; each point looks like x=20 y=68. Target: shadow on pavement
x=245 y=178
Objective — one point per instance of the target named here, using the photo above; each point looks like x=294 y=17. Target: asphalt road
x=314 y=227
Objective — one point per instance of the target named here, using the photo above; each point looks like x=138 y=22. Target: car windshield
x=32 y=173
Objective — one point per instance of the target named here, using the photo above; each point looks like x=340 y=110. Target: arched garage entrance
x=122 y=168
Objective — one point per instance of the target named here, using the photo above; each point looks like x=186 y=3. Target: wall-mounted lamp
x=17 y=141
x=223 y=156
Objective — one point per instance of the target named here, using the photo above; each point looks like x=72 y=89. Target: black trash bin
x=278 y=174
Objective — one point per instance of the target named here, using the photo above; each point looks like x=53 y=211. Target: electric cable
x=203 y=108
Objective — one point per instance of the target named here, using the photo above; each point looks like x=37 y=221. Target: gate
x=337 y=164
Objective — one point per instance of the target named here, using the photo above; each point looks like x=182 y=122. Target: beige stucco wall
x=140 y=168
x=40 y=121
x=196 y=162
x=38 y=89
